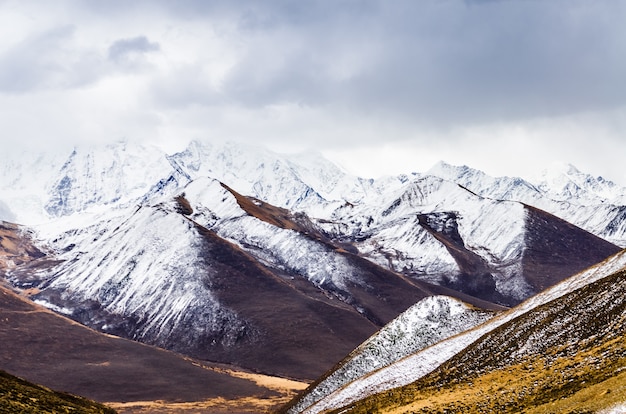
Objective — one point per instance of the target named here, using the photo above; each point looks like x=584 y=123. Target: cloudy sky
x=382 y=86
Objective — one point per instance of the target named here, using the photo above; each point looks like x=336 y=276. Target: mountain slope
x=200 y=275
x=594 y=291
x=423 y=324
x=48 y=349
x=157 y=277
x=19 y=396
x=544 y=358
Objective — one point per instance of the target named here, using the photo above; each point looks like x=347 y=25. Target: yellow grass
x=285 y=387
x=563 y=385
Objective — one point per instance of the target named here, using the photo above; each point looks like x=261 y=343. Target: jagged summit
x=445 y=170
x=563 y=181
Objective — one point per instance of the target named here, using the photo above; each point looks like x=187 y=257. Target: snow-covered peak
x=35 y=186
x=250 y=170
x=564 y=182
x=109 y=174
x=453 y=172
x=24 y=177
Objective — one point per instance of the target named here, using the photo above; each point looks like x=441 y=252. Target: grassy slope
x=19 y=396
x=568 y=356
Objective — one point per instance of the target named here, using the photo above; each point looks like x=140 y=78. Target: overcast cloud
x=382 y=86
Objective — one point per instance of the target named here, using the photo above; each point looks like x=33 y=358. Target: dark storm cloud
x=438 y=62
x=125 y=49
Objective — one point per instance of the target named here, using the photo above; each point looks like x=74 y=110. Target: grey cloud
x=47 y=60
x=184 y=87
x=125 y=49
x=432 y=63
x=436 y=62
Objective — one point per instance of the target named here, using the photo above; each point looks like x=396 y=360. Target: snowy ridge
x=150 y=245
x=564 y=182
x=421 y=363
x=216 y=208
x=140 y=265
x=252 y=171
x=592 y=203
x=392 y=235
x=427 y=322
x=407 y=224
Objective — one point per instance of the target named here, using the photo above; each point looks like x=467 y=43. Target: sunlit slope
x=427 y=322
x=565 y=354
x=20 y=396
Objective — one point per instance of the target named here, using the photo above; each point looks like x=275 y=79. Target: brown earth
x=556 y=249
x=51 y=350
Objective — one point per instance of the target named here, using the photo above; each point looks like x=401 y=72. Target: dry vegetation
x=594 y=379
x=568 y=356
x=19 y=396
x=285 y=389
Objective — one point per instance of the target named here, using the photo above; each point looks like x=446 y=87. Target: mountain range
x=284 y=264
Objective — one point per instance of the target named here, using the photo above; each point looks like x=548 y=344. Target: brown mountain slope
x=54 y=351
x=556 y=249
x=298 y=330
x=565 y=356
x=553 y=250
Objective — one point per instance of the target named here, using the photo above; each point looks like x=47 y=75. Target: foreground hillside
x=562 y=351
x=423 y=324
x=18 y=396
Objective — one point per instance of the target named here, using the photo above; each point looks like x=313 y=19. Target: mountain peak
x=445 y=170
x=564 y=182
x=558 y=169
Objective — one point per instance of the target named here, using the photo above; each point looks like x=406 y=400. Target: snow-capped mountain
x=564 y=182
x=551 y=325
x=36 y=187
x=592 y=203
x=219 y=276
x=190 y=251
x=436 y=230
